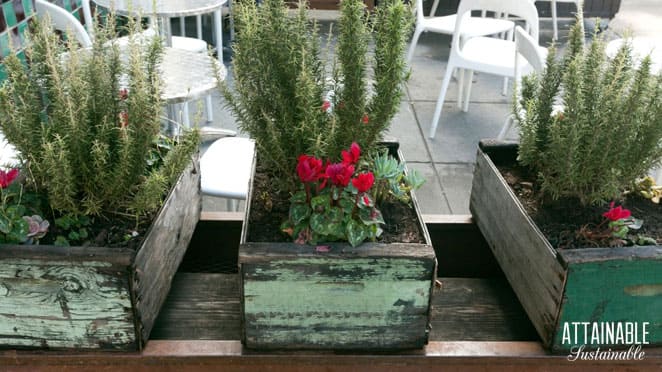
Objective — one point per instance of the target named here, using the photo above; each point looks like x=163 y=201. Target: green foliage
x=391 y=180
x=19 y=221
x=283 y=96
x=85 y=123
x=610 y=130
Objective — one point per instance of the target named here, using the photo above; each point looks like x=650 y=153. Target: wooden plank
x=473 y=309
x=200 y=306
x=372 y=302
x=527 y=259
x=193 y=356
x=625 y=288
x=71 y=302
x=206 y=306
x=266 y=252
x=164 y=247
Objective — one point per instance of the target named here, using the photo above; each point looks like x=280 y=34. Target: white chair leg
x=182 y=26
x=506 y=127
x=218 y=31
x=185 y=113
x=198 y=26
x=554 y=25
x=467 y=91
x=504 y=89
x=440 y=100
x=412 y=46
x=209 y=109
x=460 y=86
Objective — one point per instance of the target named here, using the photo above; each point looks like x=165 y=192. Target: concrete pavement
x=447 y=160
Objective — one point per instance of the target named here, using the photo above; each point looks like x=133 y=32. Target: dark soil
x=112 y=233
x=566 y=224
x=269 y=208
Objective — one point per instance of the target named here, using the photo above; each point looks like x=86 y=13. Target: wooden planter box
x=558 y=287
x=94 y=297
x=372 y=297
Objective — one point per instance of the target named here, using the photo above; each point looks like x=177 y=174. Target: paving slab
x=456 y=182
x=406 y=130
x=458 y=132
x=430 y=196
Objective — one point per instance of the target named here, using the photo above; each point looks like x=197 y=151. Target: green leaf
x=82 y=233
x=329 y=223
x=5 y=224
x=356 y=232
x=371 y=216
x=298 y=197
x=320 y=202
x=645 y=240
x=299 y=212
x=61 y=241
x=347 y=205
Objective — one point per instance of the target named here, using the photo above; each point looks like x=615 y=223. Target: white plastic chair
x=528 y=51
x=485 y=54
x=225 y=169
x=554 y=19
x=475 y=26
x=63 y=20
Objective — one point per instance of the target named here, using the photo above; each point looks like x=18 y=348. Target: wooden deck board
x=205 y=306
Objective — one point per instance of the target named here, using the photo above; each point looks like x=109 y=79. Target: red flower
x=340 y=173
x=124 y=119
x=615 y=214
x=6 y=178
x=124 y=94
x=326 y=105
x=365 y=119
x=363 y=182
x=351 y=156
x=310 y=168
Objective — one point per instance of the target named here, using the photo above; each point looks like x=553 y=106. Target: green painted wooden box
x=91 y=297
x=372 y=297
x=561 y=289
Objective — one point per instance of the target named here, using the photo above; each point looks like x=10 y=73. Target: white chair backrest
x=63 y=21
x=523 y=9
x=528 y=48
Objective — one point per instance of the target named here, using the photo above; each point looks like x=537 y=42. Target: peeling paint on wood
x=372 y=297
x=338 y=302
x=560 y=286
x=89 y=297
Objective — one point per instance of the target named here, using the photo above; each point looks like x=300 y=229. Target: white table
x=166 y=9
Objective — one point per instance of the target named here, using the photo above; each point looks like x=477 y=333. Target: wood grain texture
x=86 y=297
x=65 y=302
x=616 y=285
x=377 y=302
x=527 y=259
x=206 y=306
x=164 y=247
x=372 y=297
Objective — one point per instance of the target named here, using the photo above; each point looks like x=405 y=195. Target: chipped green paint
x=613 y=291
x=366 y=303
x=64 y=304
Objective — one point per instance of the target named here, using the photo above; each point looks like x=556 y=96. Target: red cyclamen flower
x=363 y=182
x=6 y=178
x=615 y=214
x=326 y=105
x=365 y=119
x=340 y=173
x=310 y=168
x=351 y=156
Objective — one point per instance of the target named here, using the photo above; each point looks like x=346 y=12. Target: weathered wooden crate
x=372 y=297
x=558 y=287
x=95 y=297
